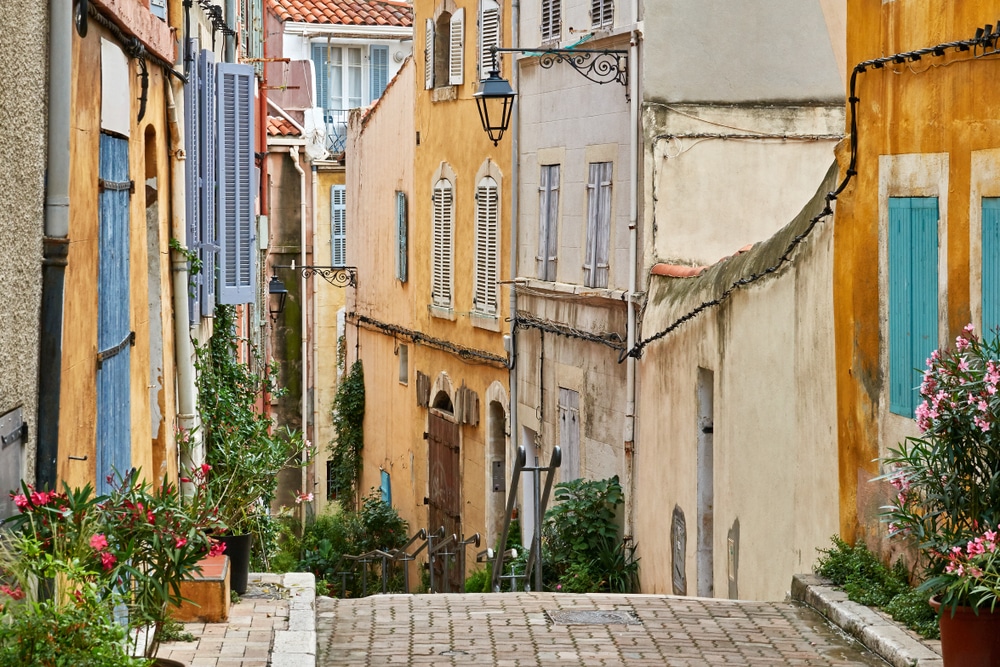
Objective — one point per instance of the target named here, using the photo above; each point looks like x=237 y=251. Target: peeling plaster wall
x=23 y=100
x=775 y=433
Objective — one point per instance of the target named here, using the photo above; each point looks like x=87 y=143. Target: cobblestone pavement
x=539 y=630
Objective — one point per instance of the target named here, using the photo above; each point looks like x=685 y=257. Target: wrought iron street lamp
x=277 y=293
x=495 y=97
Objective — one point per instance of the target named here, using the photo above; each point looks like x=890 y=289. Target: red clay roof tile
x=280 y=127
x=346 y=12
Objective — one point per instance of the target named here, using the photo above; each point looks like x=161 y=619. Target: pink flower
x=99 y=542
x=15 y=593
x=217 y=549
x=961 y=343
x=185 y=480
x=108 y=560
x=963 y=365
x=303 y=497
x=180 y=542
x=975 y=547
x=21 y=501
x=205 y=468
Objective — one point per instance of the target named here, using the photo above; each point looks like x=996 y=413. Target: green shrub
x=867 y=581
x=479 y=581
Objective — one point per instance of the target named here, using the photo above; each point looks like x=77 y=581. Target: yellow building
x=435 y=456
x=928 y=154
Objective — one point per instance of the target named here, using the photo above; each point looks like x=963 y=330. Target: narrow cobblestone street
x=541 y=629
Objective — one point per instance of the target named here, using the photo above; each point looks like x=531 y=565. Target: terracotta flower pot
x=969 y=639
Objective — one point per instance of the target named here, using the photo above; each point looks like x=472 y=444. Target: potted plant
x=947 y=501
x=243 y=449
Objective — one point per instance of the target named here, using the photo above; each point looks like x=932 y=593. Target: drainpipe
x=187 y=391
x=315 y=339
x=294 y=152
x=515 y=135
x=55 y=248
x=633 y=252
x=230 y=40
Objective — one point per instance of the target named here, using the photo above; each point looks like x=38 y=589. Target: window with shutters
x=487 y=247
x=602 y=13
x=569 y=434
x=991 y=265
x=378 y=57
x=551 y=23
x=489 y=36
x=444 y=50
x=338 y=224
x=340 y=76
x=441 y=51
x=913 y=296
x=456 y=48
x=402 y=231
x=236 y=187
x=443 y=215
x=548 y=221
x=595 y=267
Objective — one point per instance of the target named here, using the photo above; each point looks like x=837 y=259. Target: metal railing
x=336 y=129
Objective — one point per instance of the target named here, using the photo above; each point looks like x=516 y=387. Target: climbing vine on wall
x=345 y=450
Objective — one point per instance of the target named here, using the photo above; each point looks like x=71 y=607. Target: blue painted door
x=991 y=266
x=114 y=336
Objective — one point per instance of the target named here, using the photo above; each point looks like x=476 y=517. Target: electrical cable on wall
x=988 y=39
x=465 y=353
x=523 y=320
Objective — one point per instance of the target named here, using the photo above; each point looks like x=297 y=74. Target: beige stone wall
x=23 y=100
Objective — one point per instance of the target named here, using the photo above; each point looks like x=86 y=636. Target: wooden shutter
x=913 y=296
x=456 y=48
x=401 y=240
x=548 y=217
x=208 y=249
x=322 y=75
x=428 y=54
x=379 y=65
x=236 y=183
x=487 y=233
x=338 y=224
x=598 y=225
x=489 y=35
x=192 y=174
x=991 y=265
x=551 y=23
x=441 y=271
x=569 y=434
x=114 y=336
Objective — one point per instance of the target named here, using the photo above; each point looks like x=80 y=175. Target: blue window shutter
x=319 y=63
x=379 y=70
x=192 y=174
x=235 y=186
x=114 y=419
x=991 y=265
x=913 y=296
x=338 y=224
x=401 y=233
x=208 y=249
x=386 y=488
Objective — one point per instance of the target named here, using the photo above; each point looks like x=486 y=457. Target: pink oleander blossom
x=99 y=542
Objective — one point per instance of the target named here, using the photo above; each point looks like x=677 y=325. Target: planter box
x=208 y=593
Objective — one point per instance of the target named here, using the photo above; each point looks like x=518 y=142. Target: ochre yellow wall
x=77 y=428
x=936 y=105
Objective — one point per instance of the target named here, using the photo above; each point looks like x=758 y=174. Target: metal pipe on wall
x=55 y=249
x=515 y=17
x=303 y=284
x=633 y=252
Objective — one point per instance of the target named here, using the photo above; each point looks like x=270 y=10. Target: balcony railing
x=336 y=130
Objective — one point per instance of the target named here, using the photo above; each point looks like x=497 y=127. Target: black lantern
x=277 y=295
x=495 y=99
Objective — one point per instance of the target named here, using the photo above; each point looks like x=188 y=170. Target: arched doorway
x=445 y=499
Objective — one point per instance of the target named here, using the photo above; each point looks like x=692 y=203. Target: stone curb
x=878 y=633
x=296 y=646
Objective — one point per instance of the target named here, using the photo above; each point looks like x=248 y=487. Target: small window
x=551 y=24
x=404 y=364
x=598 y=225
x=386 y=488
x=401 y=237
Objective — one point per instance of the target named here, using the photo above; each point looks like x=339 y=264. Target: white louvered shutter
x=487 y=235
x=551 y=24
x=598 y=224
x=338 y=224
x=441 y=253
x=489 y=36
x=456 y=48
x=602 y=13
x=236 y=183
x=428 y=54
x=548 y=216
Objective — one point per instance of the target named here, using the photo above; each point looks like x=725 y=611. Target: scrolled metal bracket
x=338 y=276
x=599 y=66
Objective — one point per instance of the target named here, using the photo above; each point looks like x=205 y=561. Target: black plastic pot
x=238 y=550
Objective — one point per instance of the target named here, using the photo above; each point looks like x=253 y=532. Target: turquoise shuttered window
x=114 y=336
x=236 y=183
x=379 y=56
x=991 y=265
x=401 y=234
x=913 y=296
x=338 y=224
x=386 y=488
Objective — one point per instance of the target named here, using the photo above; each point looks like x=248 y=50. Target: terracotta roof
x=280 y=127
x=345 y=12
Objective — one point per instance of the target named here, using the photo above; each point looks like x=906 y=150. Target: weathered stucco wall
x=768 y=349
x=927 y=116
x=23 y=95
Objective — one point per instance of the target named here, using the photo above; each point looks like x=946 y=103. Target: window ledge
x=485 y=321
x=444 y=93
x=577 y=290
x=442 y=312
